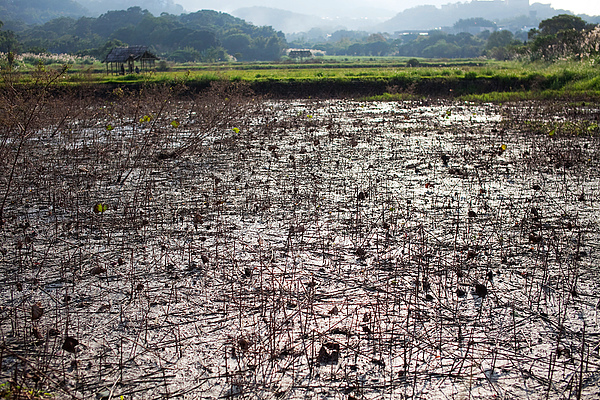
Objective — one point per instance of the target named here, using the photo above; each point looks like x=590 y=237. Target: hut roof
x=122 y=54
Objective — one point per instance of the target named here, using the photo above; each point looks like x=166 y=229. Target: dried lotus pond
x=228 y=247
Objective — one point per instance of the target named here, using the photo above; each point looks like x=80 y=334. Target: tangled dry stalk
x=163 y=245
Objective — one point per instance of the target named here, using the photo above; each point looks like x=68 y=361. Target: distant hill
x=280 y=20
x=33 y=12
x=519 y=15
x=37 y=12
x=431 y=17
x=291 y=22
x=327 y=9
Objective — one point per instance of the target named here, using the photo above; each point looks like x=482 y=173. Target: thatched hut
x=122 y=59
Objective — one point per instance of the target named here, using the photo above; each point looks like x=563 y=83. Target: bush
x=413 y=62
x=162 y=66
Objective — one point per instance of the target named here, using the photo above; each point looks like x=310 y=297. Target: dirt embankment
x=436 y=87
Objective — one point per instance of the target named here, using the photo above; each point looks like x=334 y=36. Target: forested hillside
x=200 y=36
x=31 y=12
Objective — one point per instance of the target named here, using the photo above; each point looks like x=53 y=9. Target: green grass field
x=475 y=79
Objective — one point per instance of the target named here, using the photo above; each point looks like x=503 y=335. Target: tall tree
x=561 y=36
x=562 y=22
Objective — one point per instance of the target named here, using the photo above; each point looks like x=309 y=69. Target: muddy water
x=325 y=249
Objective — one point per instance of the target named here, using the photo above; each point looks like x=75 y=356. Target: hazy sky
x=590 y=7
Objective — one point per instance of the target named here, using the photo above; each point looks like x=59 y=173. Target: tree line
x=557 y=37
x=210 y=36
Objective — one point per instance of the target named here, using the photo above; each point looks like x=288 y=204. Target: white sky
x=589 y=7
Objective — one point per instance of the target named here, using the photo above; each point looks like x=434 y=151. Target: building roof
x=300 y=53
x=123 y=54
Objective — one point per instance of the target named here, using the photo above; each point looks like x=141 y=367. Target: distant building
x=518 y=4
x=299 y=53
x=124 y=59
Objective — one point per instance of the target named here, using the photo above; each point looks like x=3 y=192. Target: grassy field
x=377 y=78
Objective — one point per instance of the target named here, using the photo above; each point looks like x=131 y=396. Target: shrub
x=413 y=62
x=162 y=66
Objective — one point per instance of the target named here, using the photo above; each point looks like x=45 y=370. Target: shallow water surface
x=330 y=249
